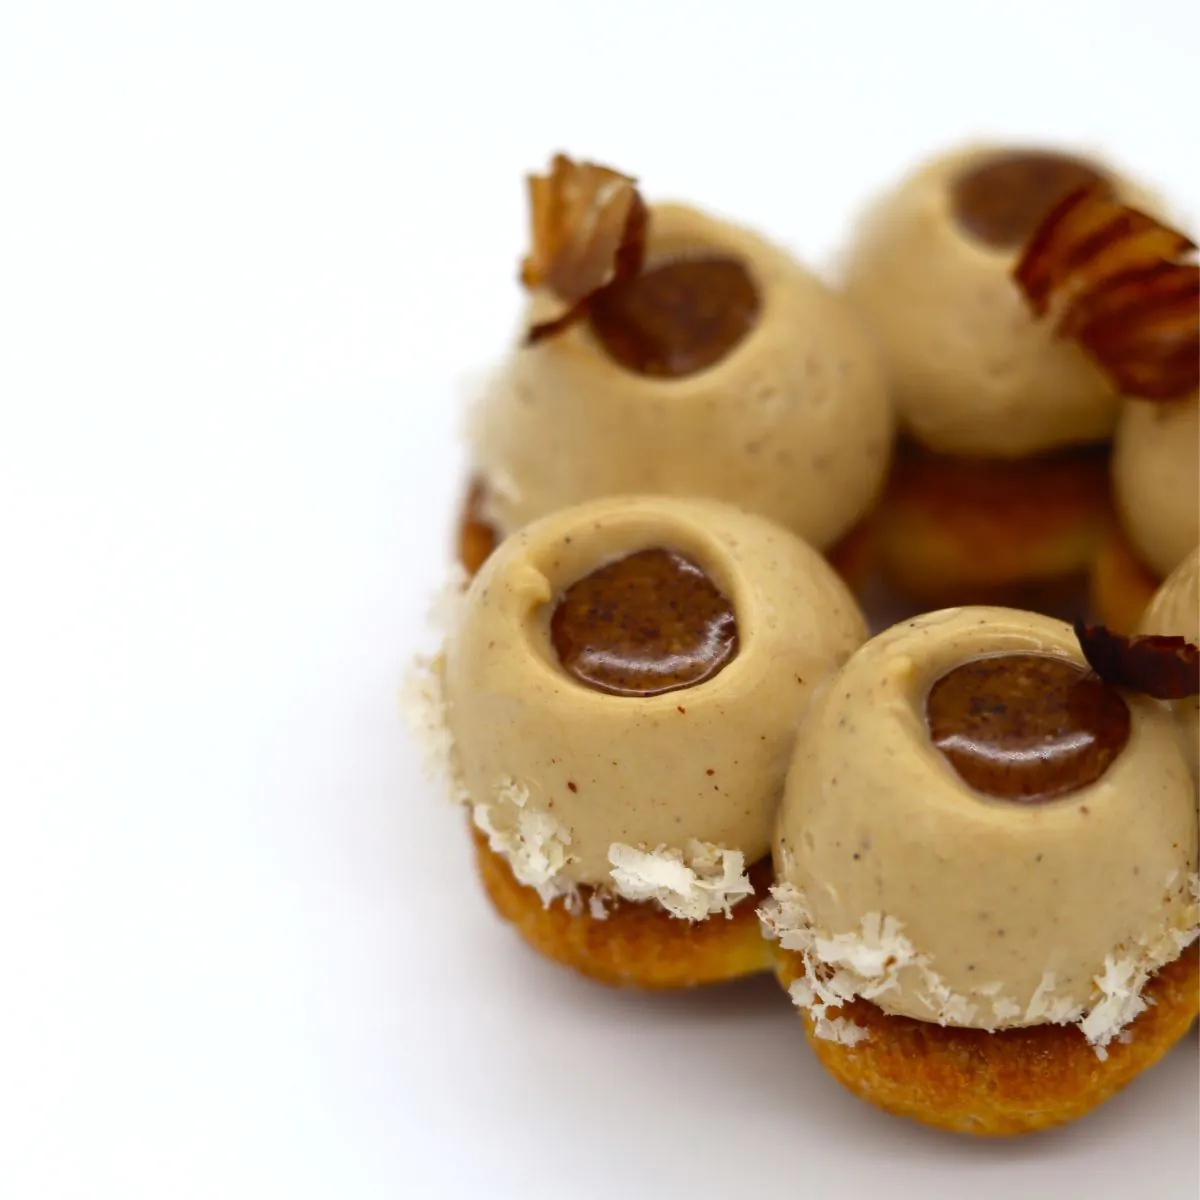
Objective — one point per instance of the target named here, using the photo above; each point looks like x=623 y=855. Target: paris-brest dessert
x=1000 y=487
x=966 y=846
x=986 y=857
x=619 y=694
x=666 y=351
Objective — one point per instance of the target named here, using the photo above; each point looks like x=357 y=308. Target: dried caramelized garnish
x=588 y=229
x=1110 y=277
x=1167 y=668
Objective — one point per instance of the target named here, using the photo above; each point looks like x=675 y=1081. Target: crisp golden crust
x=852 y=558
x=1122 y=586
x=635 y=945
x=999 y=1084
x=964 y=531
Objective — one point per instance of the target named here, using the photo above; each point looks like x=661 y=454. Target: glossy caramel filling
x=649 y=623
x=1026 y=727
x=1004 y=198
x=676 y=319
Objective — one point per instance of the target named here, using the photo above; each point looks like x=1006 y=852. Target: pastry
x=666 y=351
x=616 y=701
x=999 y=489
x=987 y=899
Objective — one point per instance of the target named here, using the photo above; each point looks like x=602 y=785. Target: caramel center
x=1004 y=198
x=676 y=319
x=1026 y=727
x=649 y=623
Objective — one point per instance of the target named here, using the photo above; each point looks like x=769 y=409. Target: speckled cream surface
x=1156 y=479
x=1175 y=612
x=972 y=371
x=1013 y=911
x=703 y=764
x=795 y=423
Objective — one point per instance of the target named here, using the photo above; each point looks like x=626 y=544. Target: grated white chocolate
x=693 y=883
x=423 y=704
x=866 y=964
x=1123 y=979
x=535 y=848
x=422 y=694
x=836 y=969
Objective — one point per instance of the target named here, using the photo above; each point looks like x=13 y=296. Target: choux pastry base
x=635 y=945
x=1000 y=1084
x=1019 y=534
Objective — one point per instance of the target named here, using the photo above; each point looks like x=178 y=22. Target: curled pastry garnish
x=588 y=232
x=1110 y=277
x=1166 y=668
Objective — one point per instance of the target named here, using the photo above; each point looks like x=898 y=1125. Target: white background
x=248 y=252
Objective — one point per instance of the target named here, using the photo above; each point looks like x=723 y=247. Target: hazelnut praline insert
x=1015 y=908
x=677 y=318
x=1026 y=727
x=649 y=623
x=1002 y=198
x=704 y=763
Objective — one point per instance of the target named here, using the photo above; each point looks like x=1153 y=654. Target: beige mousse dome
x=1175 y=612
x=794 y=423
x=941 y=903
x=972 y=372
x=1156 y=479
x=630 y=793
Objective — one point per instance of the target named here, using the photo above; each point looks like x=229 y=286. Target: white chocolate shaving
x=535 y=848
x=1039 y=1002
x=423 y=704
x=837 y=969
x=1121 y=1001
x=1004 y=1009
x=422 y=696
x=691 y=884
x=1121 y=982
x=867 y=963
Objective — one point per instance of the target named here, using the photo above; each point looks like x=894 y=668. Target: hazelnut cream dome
x=1175 y=612
x=976 y=832
x=1156 y=479
x=731 y=372
x=622 y=688
x=973 y=373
